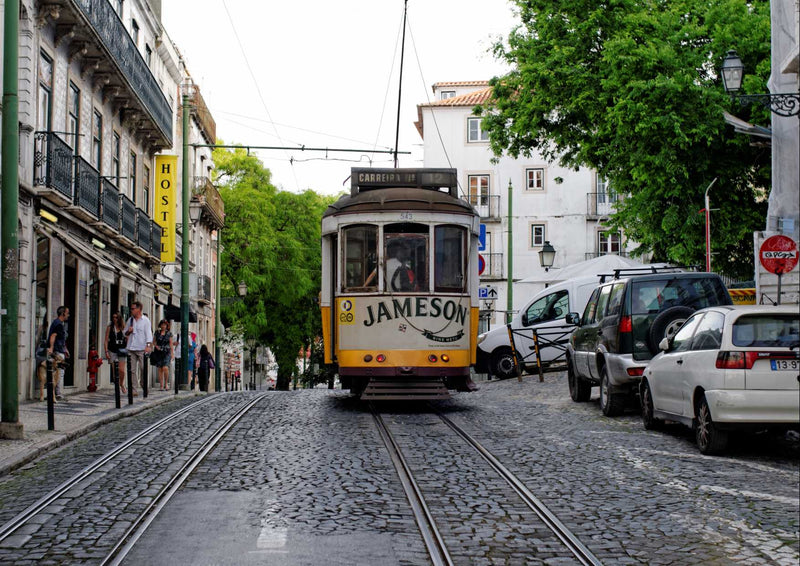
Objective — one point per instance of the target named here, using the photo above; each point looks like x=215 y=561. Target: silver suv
x=622 y=325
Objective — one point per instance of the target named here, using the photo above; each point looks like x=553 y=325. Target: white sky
x=317 y=73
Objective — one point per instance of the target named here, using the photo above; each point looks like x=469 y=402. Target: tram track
x=101 y=466
x=432 y=536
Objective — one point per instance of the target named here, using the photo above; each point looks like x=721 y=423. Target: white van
x=547 y=309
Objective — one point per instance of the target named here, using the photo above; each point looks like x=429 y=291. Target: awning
x=172 y=312
x=742 y=127
x=81 y=248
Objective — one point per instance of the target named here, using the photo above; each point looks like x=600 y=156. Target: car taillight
x=737 y=360
x=625 y=324
x=636 y=372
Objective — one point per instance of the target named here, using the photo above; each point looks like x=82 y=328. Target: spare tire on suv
x=665 y=325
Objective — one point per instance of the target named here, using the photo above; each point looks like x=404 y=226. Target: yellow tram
x=400 y=284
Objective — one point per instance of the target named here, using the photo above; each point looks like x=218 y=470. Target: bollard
x=130 y=382
x=145 y=374
x=115 y=381
x=51 y=417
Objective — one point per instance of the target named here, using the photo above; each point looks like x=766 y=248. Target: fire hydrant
x=94 y=364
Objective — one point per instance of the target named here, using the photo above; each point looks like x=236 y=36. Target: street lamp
x=547 y=256
x=242 y=288
x=782 y=104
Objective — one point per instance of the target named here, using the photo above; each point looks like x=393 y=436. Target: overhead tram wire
x=400 y=84
x=433 y=114
x=255 y=82
x=389 y=81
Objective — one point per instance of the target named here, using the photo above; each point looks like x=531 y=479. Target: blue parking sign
x=482 y=239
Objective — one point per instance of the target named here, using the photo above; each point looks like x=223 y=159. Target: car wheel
x=611 y=403
x=503 y=364
x=666 y=325
x=710 y=439
x=579 y=389
x=649 y=421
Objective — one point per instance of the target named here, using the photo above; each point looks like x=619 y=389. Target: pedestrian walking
x=205 y=365
x=190 y=363
x=140 y=340
x=115 y=349
x=164 y=350
x=57 y=349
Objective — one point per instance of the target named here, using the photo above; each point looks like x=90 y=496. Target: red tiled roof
x=469 y=99
x=460 y=83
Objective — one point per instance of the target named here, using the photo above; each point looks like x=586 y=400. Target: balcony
x=488 y=206
x=204 y=289
x=127 y=221
x=212 y=207
x=87 y=191
x=155 y=240
x=144 y=230
x=100 y=40
x=52 y=168
x=600 y=204
x=494 y=266
x=111 y=212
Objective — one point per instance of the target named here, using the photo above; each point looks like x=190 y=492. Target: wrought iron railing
x=488 y=206
x=203 y=187
x=155 y=239
x=127 y=219
x=601 y=204
x=110 y=205
x=87 y=186
x=124 y=54
x=205 y=287
x=144 y=230
x=493 y=265
x=52 y=163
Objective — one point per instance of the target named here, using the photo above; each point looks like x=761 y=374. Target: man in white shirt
x=140 y=339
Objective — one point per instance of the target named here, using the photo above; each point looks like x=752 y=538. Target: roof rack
x=629 y=271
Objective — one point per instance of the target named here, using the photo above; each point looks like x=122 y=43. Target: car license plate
x=779 y=365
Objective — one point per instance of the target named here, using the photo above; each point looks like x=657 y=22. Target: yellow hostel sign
x=165 y=210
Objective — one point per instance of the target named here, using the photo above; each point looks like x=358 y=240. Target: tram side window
x=360 y=257
x=406 y=257
x=450 y=247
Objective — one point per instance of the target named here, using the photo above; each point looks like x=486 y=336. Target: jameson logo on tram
x=166 y=180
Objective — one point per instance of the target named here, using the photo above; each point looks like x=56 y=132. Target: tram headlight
x=445 y=358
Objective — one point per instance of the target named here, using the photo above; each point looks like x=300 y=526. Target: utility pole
x=186 y=88
x=10 y=427
x=218 y=322
x=510 y=284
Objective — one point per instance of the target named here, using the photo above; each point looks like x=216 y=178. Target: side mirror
x=664 y=345
x=573 y=318
x=525 y=319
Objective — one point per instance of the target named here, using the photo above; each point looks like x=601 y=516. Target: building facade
x=99 y=87
x=549 y=203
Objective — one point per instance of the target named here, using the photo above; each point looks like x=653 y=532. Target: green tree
x=271 y=242
x=631 y=89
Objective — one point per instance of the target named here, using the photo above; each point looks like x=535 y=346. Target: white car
x=727 y=368
x=545 y=312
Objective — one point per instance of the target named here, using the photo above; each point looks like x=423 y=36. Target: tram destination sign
x=371 y=178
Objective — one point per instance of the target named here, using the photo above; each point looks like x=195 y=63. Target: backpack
x=403 y=279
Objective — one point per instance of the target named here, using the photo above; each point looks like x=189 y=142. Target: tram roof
x=399 y=198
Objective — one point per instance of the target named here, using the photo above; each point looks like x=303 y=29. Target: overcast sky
x=325 y=74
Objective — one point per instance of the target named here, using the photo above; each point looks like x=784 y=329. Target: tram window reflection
x=406 y=257
x=360 y=257
x=450 y=245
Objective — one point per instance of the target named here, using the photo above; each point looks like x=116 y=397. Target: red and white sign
x=481 y=264
x=778 y=254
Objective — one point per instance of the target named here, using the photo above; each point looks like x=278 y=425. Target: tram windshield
x=405 y=257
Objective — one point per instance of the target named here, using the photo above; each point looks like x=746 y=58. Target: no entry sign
x=778 y=254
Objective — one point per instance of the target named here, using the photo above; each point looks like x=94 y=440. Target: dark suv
x=621 y=327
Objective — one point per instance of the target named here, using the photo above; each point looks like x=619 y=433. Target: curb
x=41 y=448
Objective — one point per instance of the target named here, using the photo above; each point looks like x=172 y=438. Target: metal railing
x=52 y=163
x=601 y=204
x=488 y=206
x=494 y=266
x=204 y=287
x=130 y=63
x=87 y=187
x=209 y=197
x=144 y=230
x=155 y=239
x=127 y=221
x=111 y=210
